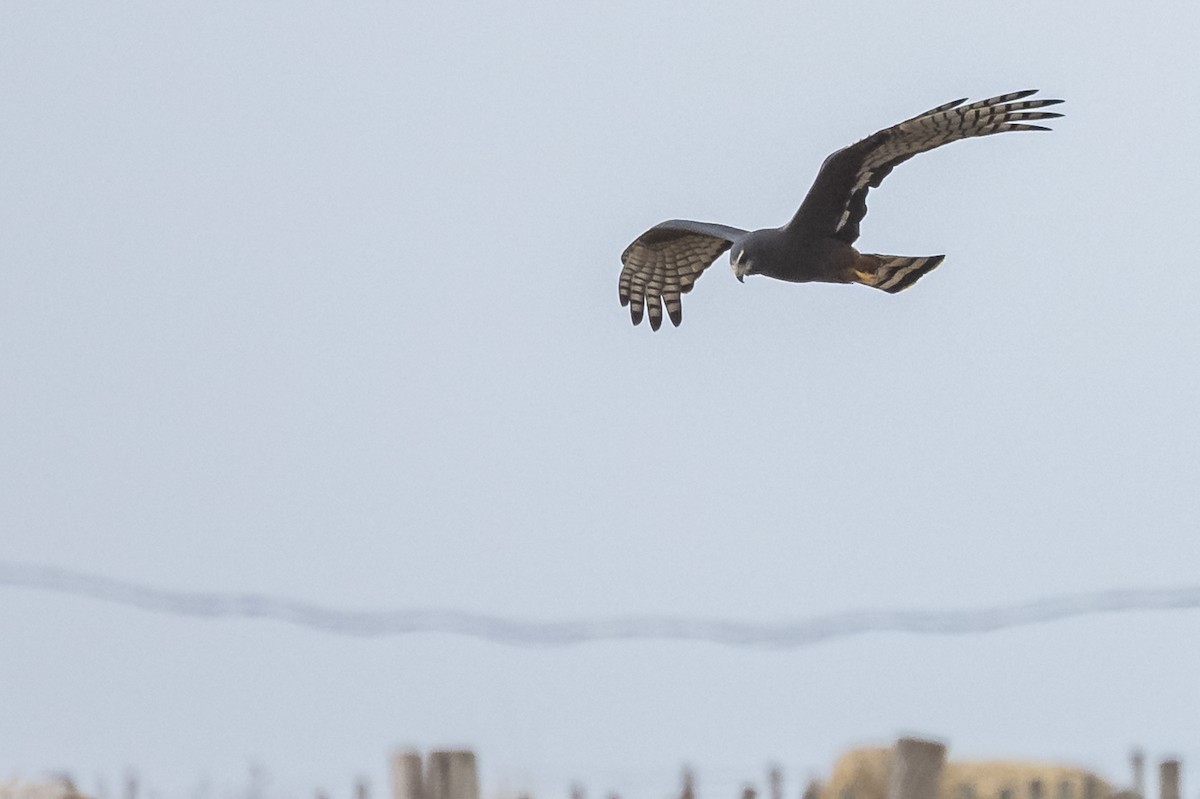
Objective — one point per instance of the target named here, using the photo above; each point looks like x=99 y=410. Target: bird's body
x=817 y=245
x=799 y=258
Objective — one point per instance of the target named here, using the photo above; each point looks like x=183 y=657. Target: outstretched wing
x=837 y=201
x=664 y=262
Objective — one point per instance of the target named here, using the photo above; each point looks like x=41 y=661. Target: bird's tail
x=892 y=273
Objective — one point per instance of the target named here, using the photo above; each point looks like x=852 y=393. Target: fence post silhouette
x=916 y=771
x=1137 y=764
x=775 y=782
x=687 y=788
x=406 y=775
x=451 y=775
x=1168 y=779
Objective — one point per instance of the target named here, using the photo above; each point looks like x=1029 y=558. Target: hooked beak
x=740 y=265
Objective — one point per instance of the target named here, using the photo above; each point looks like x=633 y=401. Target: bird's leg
x=866 y=270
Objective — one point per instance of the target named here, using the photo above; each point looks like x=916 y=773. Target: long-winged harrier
x=664 y=262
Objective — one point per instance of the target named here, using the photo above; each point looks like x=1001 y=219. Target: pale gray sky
x=319 y=301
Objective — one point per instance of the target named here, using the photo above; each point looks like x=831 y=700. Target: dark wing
x=664 y=262
x=837 y=201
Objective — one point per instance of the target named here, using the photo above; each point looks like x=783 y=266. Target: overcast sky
x=319 y=301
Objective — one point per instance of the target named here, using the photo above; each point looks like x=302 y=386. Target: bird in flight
x=816 y=245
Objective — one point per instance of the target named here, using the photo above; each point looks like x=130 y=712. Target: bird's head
x=740 y=260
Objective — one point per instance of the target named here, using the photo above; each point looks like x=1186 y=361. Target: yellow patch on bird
x=867 y=278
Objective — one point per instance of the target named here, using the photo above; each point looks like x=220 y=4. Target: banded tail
x=892 y=273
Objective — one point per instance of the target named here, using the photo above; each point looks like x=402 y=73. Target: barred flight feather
x=663 y=264
x=946 y=123
x=893 y=273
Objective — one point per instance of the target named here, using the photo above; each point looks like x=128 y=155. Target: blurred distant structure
x=912 y=768
x=1137 y=761
x=62 y=787
x=444 y=774
x=688 y=788
x=1168 y=779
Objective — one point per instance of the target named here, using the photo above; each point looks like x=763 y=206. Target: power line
x=792 y=634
